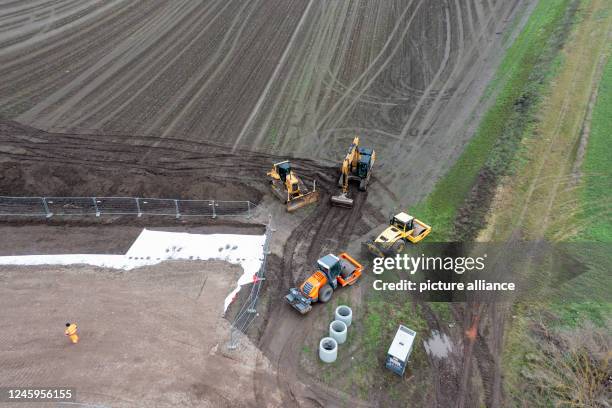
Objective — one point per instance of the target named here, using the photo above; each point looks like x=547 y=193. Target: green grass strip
x=596 y=169
x=514 y=76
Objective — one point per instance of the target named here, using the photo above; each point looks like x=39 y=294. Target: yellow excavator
x=288 y=187
x=403 y=228
x=357 y=165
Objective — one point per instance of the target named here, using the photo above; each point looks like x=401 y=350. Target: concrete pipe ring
x=344 y=314
x=328 y=350
x=338 y=331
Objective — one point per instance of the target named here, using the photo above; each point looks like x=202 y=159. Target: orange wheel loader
x=333 y=272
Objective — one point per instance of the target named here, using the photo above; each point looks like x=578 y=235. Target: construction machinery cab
x=365 y=161
x=403 y=222
x=283 y=169
x=330 y=266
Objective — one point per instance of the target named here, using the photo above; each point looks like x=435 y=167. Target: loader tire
x=325 y=293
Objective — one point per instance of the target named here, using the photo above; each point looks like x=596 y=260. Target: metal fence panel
x=99 y=206
x=248 y=312
x=117 y=205
x=22 y=205
x=232 y=207
x=70 y=205
x=157 y=206
x=196 y=207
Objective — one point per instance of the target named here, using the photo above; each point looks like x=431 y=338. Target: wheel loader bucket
x=303 y=200
x=342 y=200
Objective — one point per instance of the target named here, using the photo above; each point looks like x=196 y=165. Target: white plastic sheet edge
x=153 y=247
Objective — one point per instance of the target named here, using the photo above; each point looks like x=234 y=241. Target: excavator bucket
x=303 y=200
x=342 y=200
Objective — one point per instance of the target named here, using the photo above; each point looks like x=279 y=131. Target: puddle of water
x=438 y=345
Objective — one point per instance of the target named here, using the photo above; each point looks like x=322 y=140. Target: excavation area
x=153 y=336
x=197 y=100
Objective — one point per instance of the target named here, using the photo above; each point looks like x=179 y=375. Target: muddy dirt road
x=279 y=76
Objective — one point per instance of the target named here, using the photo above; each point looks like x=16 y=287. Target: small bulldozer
x=356 y=166
x=402 y=229
x=289 y=188
x=333 y=272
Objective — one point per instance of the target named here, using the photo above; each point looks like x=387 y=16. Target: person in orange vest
x=71 y=332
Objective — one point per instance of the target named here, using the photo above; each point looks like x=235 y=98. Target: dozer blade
x=342 y=200
x=303 y=201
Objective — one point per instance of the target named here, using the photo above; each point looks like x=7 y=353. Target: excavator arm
x=350 y=161
x=345 y=177
x=343 y=199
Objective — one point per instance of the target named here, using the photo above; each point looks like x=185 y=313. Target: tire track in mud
x=330 y=19
x=51 y=61
x=274 y=75
x=192 y=90
x=331 y=228
x=49 y=24
x=115 y=82
x=373 y=64
x=435 y=107
x=126 y=88
x=49 y=111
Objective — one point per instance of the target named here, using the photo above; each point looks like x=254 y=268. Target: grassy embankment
x=556 y=340
x=519 y=80
x=597 y=179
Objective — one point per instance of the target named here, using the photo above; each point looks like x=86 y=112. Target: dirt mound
x=38 y=163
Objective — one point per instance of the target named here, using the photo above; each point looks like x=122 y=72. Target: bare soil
x=279 y=76
x=154 y=336
x=196 y=100
x=83 y=237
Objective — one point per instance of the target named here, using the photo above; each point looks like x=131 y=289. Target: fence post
x=49 y=213
x=248 y=312
x=138 y=207
x=95 y=203
x=178 y=214
x=233 y=344
x=214 y=211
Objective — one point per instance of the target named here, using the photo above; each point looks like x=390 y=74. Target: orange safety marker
x=71 y=332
